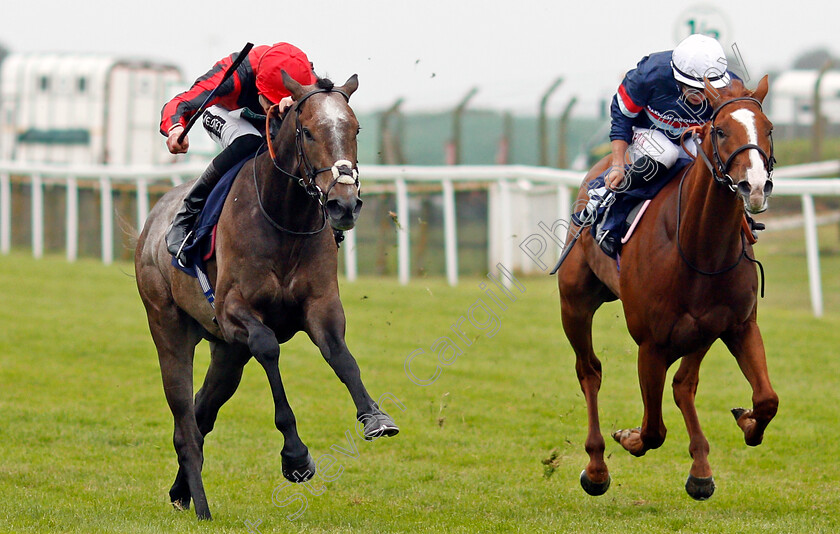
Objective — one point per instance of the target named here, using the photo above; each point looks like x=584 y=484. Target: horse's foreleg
x=652 y=365
x=700 y=484
x=748 y=348
x=220 y=382
x=326 y=326
x=240 y=323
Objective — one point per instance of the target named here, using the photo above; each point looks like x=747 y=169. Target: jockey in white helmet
x=654 y=105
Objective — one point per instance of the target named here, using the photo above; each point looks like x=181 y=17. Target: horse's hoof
x=700 y=489
x=592 y=488
x=181 y=505
x=738 y=412
x=378 y=425
x=299 y=470
x=204 y=516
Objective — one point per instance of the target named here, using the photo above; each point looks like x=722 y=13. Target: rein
x=696 y=269
x=720 y=172
x=343 y=171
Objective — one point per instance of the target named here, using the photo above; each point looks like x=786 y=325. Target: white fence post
x=107 y=221
x=564 y=203
x=5 y=213
x=403 y=227
x=450 y=232
x=505 y=209
x=37 y=216
x=72 y=229
x=351 y=268
x=813 y=254
x=142 y=202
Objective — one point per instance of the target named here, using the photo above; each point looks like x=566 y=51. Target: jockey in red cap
x=256 y=85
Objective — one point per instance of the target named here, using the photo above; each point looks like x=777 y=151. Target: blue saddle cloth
x=614 y=217
x=202 y=242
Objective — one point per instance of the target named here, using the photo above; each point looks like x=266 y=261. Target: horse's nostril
x=358 y=207
x=768 y=188
x=744 y=188
x=334 y=208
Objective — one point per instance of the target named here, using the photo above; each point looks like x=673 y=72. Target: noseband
x=343 y=171
x=720 y=170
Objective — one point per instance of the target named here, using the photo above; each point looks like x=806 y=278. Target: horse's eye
x=720 y=133
x=307 y=134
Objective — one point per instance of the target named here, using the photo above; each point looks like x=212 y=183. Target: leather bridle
x=720 y=169
x=343 y=171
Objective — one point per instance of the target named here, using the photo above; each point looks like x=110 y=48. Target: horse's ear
x=712 y=94
x=761 y=91
x=350 y=85
x=292 y=85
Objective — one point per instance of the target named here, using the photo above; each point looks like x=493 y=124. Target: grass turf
x=494 y=443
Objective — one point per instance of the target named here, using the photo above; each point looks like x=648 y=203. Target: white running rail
x=514 y=190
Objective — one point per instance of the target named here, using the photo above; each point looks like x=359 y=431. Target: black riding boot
x=182 y=226
x=645 y=169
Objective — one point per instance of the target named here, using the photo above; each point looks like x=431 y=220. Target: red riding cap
x=280 y=57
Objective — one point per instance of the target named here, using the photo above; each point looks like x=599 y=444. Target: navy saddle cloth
x=202 y=243
x=615 y=215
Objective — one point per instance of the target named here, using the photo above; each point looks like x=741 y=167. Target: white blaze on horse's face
x=756 y=173
x=333 y=116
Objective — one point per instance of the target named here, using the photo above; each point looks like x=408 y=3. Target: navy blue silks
x=201 y=244
x=615 y=215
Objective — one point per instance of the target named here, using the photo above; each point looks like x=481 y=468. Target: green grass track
x=86 y=435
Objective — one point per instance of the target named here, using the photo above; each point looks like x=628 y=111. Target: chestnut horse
x=684 y=282
x=275 y=274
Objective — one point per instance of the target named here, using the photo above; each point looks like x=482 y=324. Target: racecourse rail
x=795 y=180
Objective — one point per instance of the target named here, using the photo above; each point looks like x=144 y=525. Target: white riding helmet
x=698 y=56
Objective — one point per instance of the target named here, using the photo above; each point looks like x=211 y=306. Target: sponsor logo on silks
x=670 y=124
x=213 y=123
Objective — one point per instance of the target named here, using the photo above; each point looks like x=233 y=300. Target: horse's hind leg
x=220 y=383
x=175 y=353
x=241 y=324
x=700 y=484
x=579 y=298
x=326 y=324
x=175 y=336
x=748 y=348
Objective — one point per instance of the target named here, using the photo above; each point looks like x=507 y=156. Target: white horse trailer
x=84 y=109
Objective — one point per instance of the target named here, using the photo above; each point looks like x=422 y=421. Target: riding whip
x=230 y=70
